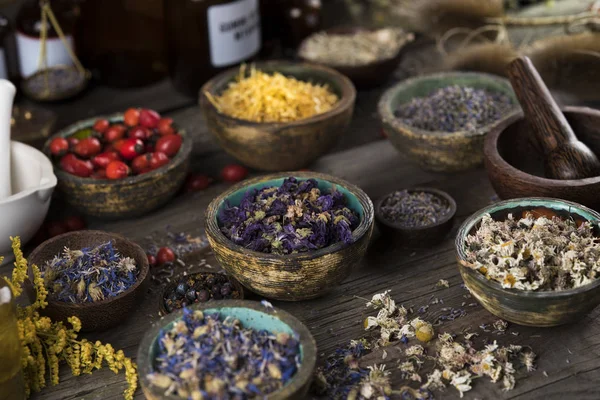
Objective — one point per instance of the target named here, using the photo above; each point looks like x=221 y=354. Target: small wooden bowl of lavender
x=538 y=268
x=269 y=354
x=440 y=121
x=97 y=276
x=290 y=236
x=417 y=217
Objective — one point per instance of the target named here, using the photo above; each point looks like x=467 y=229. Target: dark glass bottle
x=122 y=41
x=28 y=29
x=4 y=31
x=205 y=37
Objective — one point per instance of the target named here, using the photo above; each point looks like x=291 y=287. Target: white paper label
x=233 y=32
x=3 y=68
x=29 y=52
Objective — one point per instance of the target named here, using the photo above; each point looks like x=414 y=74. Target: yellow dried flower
x=424 y=332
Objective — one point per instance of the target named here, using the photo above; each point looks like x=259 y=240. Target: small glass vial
x=12 y=385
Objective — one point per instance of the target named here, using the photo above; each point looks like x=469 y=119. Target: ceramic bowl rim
x=180 y=157
x=472 y=220
x=436 y=192
x=75 y=307
x=490 y=149
x=386 y=114
x=347 y=30
x=346 y=99
x=212 y=225
x=302 y=376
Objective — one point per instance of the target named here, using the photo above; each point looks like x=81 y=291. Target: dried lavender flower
x=208 y=356
x=89 y=274
x=293 y=218
x=414 y=209
x=545 y=254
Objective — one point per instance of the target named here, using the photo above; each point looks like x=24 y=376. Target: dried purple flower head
x=295 y=217
x=89 y=274
x=205 y=356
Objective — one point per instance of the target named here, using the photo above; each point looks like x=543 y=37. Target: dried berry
x=234 y=173
x=59 y=146
x=101 y=125
x=131 y=116
x=164 y=255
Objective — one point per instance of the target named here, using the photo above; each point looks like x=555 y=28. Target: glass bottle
x=4 y=31
x=123 y=41
x=205 y=37
x=27 y=35
x=12 y=385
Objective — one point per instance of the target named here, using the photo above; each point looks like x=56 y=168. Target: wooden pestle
x=565 y=157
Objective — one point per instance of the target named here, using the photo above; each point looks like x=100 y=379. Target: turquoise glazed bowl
x=532 y=308
x=251 y=314
x=291 y=277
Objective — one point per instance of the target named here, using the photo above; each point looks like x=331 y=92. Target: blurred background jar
x=4 y=33
x=28 y=27
x=122 y=41
x=12 y=386
x=208 y=36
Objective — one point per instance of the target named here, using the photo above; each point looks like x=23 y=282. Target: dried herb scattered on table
x=89 y=274
x=454 y=108
x=359 y=48
x=534 y=253
x=205 y=356
x=199 y=288
x=414 y=209
x=295 y=217
x=263 y=97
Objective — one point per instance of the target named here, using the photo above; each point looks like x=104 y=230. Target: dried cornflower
x=205 y=356
x=534 y=253
x=89 y=274
x=292 y=218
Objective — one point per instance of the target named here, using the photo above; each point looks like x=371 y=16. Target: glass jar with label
x=12 y=385
x=28 y=28
x=205 y=37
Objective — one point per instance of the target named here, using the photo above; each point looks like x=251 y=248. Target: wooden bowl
x=103 y=314
x=170 y=286
x=532 y=308
x=252 y=314
x=281 y=146
x=515 y=165
x=424 y=236
x=363 y=76
x=124 y=198
x=434 y=150
x=298 y=276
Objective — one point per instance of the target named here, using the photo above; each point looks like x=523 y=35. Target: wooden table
x=568 y=357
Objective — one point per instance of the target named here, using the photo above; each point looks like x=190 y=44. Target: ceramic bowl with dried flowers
x=290 y=236
x=97 y=276
x=532 y=261
x=269 y=353
x=287 y=114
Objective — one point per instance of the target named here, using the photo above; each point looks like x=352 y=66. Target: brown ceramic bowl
x=298 y=276
x=103 y=314
x=367 y=75
x=171 y=286
x=515 y=165
x=424 y=236
x=251 y=314
x=532 y=308
x=434 y=150
x=124 y=198
x=281 y=146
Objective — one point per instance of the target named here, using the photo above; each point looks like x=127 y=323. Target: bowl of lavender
x=440 y=121
x=417 y=217
x=97 y=276
x=532 y=261
x=230 y=349
x=290 y=236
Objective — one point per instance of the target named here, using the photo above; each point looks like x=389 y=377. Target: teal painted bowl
x=291 y=277
x=531 y=308
x=251 y=314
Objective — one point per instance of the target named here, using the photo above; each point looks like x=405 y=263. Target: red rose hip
x=158 y=159
x=139 y=132
x=59 y=146
x=76 y=166
x=72 y=142
x=131 y=116
x=196 y=182
x=101 y=125
x=103 y=159
x=74 y=223
x=131 y=148
x=149 y=118
x=165 y=126
x=169 y=144
x=56 y=228
x=117 y=170
x=165 y=255
x=88 y=147
x=233 y=173
x=114 y=132
x=141 y=163
x=151 y=260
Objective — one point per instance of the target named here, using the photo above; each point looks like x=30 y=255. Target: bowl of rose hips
x=122 y=165
x=199 y=288
x=290 y=236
